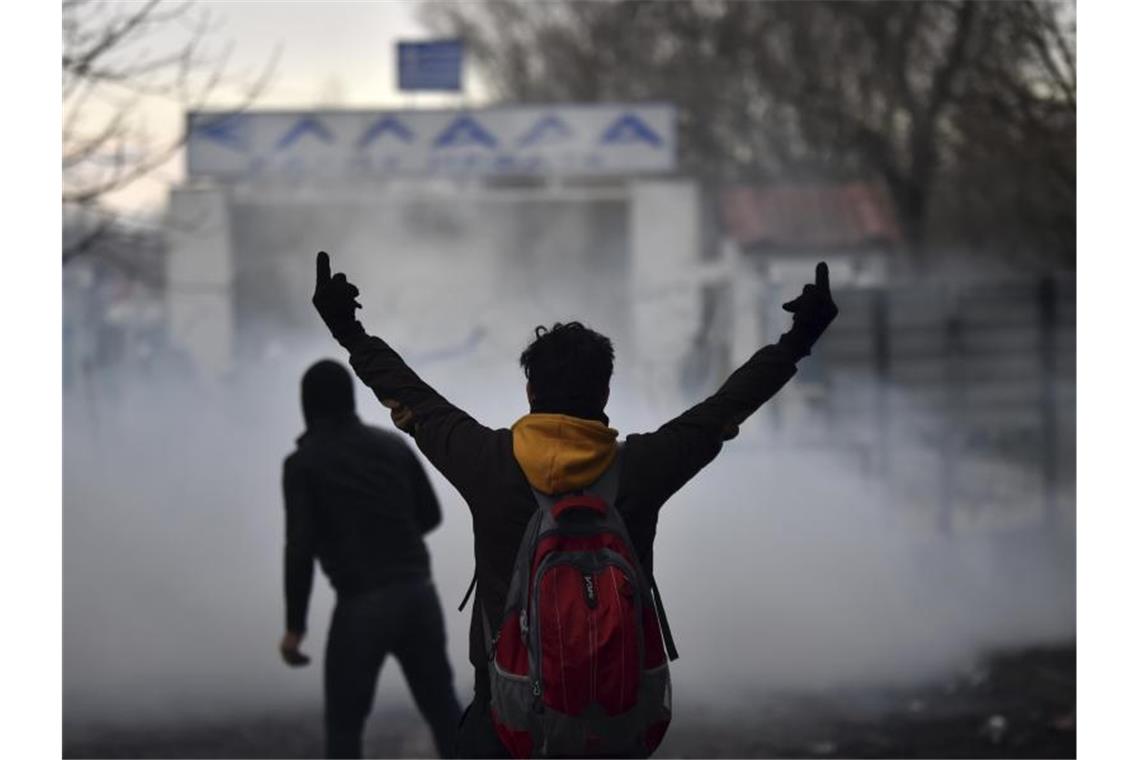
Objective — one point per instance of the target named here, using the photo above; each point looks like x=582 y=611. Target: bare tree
x=942 y=100
x=938 y=99
x=1013 y=136
x=110 y=67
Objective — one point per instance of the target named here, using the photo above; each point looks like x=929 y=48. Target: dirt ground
x=1014 y=704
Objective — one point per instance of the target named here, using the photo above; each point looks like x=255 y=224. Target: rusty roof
x=809 y=215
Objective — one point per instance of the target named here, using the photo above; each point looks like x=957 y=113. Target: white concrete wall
x=200 y=278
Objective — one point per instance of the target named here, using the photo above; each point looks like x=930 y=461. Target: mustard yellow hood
x=559 y=453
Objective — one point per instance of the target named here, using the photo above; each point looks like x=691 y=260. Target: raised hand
x=812 y=311
x=335 y=300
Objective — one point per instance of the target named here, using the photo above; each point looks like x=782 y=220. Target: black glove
x=813 y=310
x=335 y=300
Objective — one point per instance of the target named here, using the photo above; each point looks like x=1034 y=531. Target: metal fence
x=962 y=397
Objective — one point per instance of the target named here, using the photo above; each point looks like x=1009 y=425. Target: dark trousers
x=402 y=619
x=477 y=737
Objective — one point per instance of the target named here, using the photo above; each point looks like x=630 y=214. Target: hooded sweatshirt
x=495 y=469
x=559 y=453
x=357 y=499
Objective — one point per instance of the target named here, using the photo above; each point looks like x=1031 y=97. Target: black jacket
x=357 y=499
x=481 y=463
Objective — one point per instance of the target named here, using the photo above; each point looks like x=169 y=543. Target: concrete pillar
x=747 y=292
x=665 y=287
x=199 y=277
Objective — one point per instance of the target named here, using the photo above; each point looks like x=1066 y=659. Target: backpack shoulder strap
x=607 y=486
x=666 y=632
x=470 y=589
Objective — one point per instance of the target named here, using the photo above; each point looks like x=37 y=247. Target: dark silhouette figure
x=563 y=445
x=358 y=500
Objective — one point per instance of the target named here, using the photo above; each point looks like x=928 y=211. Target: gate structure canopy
x=632 y=236
x=574 y=140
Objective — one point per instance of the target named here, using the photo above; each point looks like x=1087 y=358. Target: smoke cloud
x=781 y=568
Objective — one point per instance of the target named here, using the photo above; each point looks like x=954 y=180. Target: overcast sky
x=331 y=53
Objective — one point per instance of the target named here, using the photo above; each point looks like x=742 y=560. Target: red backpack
x=578 y=666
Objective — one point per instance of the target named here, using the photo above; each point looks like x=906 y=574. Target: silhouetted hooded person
x=327 y=394
x=358 y=500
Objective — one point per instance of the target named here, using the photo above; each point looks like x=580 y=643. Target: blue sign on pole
x=435 y=65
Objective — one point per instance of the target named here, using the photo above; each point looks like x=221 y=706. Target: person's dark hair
x=569 y=368
x=326 y=392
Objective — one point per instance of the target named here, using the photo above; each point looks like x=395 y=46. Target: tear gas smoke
x=781 y=568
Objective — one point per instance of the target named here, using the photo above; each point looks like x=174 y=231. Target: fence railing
x=962 y=397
